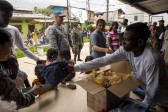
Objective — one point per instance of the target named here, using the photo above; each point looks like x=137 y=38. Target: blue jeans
x=140 y=92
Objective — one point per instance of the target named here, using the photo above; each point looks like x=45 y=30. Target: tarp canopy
x=149 y=6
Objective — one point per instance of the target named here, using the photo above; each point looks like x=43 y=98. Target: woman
x=113 y=37
x=8 y=90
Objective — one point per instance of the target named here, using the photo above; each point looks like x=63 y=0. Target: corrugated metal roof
x=43 y=20
x=149 y=6
x=38 y=16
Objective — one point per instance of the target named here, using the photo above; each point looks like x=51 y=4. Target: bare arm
x=109 y=44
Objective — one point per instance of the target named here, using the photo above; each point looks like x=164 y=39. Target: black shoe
x=88 y=72
x=79 y=60
x=97 y=69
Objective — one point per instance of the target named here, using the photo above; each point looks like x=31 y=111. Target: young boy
x=147 y=64
x=8 y=90
x=45 y=73
x=19 y=77
x=63 y=55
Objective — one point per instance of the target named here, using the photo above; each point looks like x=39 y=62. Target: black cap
x=59 y=14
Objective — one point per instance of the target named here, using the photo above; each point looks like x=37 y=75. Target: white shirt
x=17 y=41
x=149 y=67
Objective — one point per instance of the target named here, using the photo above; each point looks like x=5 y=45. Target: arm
x=20 y=45
x=52 y=37
x=119 y=55
x=70 y=40
x=152 y=82
x=95 y=47
x=109 y=43
x=100 y=49
x=73 y=38
x=11 y=93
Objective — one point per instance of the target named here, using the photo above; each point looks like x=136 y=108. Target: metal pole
x=107 y=10
x=68 y=15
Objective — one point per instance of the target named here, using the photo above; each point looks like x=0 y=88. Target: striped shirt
x=114 y=39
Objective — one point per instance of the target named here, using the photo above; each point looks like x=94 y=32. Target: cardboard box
x=99 y=98
x=121 y=67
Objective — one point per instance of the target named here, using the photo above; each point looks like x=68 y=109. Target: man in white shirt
x=6 y=10
x=147 y=64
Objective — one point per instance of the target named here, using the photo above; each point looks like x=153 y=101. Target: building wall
x=135 y=17
x=131 y=12
x=25 y=28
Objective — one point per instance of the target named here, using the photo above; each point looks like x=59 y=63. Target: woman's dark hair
x=113 y=24
x=4 y=36
x=5 y=6
x=100 y=21
x=52 y=54
x=141 y=30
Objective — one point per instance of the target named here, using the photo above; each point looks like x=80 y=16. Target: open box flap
x=90 y=86
x=123 y=88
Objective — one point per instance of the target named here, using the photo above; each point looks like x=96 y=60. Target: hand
x=108 y=51
x=73 y=50
x=70 y=68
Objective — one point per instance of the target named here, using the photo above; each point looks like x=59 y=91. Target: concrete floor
x=63 y=100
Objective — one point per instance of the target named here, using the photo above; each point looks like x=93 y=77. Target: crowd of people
x=144 y=47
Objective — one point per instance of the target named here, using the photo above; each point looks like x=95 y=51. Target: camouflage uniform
x=59 y=38
x=77 y=37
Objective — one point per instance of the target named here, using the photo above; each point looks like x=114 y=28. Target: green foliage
x=86 y=39
x=46 y=49
x=19 y=54
x=45 y=11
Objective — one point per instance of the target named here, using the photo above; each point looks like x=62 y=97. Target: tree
x=45 y=11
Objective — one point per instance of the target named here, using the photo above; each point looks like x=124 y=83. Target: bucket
x=40 y=51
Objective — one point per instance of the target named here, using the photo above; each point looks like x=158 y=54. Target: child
x=113 y=37
x=46 y=73
x=7 y=87
x=40 y=80
x=63 y=56
x=19 y=77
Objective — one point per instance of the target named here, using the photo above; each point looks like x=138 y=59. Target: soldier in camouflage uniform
x=77 y=37
x=59 y=36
